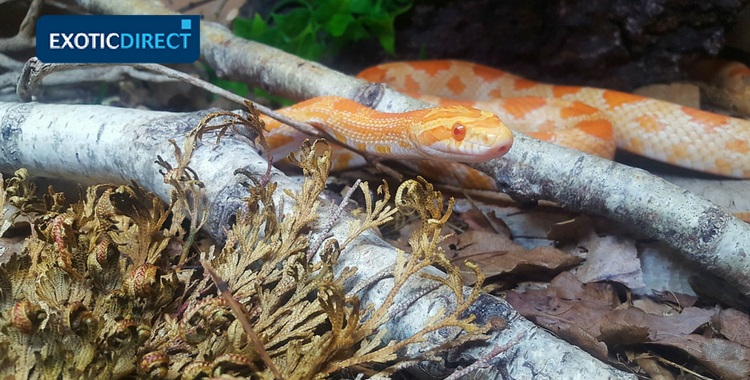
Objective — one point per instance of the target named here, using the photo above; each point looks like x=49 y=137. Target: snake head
x=464 y=134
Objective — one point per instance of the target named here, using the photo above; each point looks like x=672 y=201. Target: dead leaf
x=572 y=229
x=568 y=287
x=478 y=220
x=591 y=314
x=611 y=258
x=619 y=325
x=582 y=338
x=570 y=309
x=664 y=270
x=404 y=232
x=679 y=299
x=726 y=359
x=734 y=325
x=654 y=370
x=652 y=307
x=496 y=254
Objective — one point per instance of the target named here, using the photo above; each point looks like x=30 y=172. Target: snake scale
x=477 y=104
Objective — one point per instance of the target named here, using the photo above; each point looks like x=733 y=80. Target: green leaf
x=325 y=10
x=388 y=43
x=305 y=44
x=249 y=28
x=314 y=28
x=235 y=87
x=258 y=26
x=338 y=24
x=397 y=7
x=283 y=102
x=382 y=28
x=356 y=31
x=361 y=7
x=293 y=23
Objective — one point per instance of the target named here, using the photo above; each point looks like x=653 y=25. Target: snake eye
x=459 y=132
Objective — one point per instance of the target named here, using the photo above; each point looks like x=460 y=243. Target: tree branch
x=532 y=170
x=87 y=143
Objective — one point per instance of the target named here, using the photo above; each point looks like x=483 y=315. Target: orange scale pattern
x=593 y=120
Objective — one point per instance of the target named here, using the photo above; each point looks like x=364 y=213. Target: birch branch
x=532 y=170
x=96 y=143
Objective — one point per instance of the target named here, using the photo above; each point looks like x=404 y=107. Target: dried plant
x=81 y=298
x=100 y=289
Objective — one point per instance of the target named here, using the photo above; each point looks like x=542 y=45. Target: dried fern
x=82 y=293
x=103 y=289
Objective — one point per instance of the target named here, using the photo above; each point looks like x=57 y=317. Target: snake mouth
x=501 y=150
x=467 y=152
x=476 y=148
x=485 y=153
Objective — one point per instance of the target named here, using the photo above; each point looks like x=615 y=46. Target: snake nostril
x=503 y=149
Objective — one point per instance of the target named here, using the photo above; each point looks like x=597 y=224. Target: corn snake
x=589 y=119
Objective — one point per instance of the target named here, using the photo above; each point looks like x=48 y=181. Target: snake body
x=452 y=133
x=653 y=128
x=589 y=119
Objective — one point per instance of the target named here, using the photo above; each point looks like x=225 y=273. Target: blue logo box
x=118 y=39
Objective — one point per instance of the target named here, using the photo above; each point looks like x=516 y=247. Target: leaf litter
x=584 y=280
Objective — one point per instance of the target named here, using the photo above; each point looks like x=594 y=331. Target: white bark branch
x=531 y=170
x=96 y=143
x=700 y=230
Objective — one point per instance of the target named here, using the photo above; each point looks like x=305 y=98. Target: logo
x=118 y=39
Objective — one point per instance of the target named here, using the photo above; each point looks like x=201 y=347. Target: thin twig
x=28 y=25
x=484 y=361
x=495 y=226
x=240 y=312
x=34 y=71
x=9 y=63
x=195 y=4
x=333 y=216
x=8 y=80
x=24 y=39
x=680 y=367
